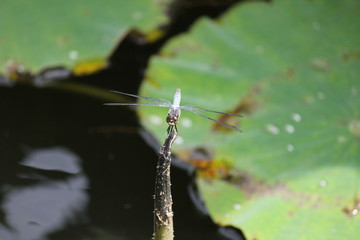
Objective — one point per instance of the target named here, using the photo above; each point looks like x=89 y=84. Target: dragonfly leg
x=171 y=128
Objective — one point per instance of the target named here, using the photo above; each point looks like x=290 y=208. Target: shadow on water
x=74 y=169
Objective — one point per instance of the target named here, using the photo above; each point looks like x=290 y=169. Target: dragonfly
x=174 y=109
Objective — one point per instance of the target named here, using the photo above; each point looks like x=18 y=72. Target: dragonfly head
x=172 y=119
x=173 y=116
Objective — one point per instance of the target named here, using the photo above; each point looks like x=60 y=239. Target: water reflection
x=55 y=196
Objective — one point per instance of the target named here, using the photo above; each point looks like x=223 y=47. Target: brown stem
x=163 y=214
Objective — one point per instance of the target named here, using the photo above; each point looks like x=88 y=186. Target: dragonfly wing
x=164 y=101
x=153 y=104
x=190 y=108
x=203 y=115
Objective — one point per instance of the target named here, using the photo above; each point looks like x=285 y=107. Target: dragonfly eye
x=171 y=120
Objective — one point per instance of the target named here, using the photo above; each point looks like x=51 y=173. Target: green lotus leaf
x=292 y=69
x=38 y=34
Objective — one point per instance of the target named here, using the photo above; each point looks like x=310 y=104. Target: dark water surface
x=72 y=168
